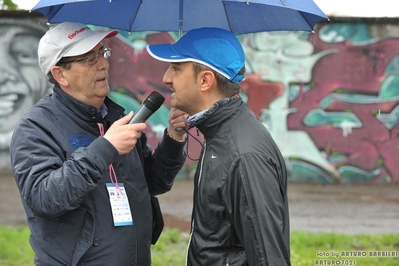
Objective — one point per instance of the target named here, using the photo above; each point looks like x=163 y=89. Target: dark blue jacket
x=61 y=166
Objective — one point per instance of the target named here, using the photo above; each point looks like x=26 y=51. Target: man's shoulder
x=40 y=111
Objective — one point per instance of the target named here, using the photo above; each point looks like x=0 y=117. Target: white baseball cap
x=67 y=39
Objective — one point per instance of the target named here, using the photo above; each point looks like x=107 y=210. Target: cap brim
x=166 y=53
x=89 y=43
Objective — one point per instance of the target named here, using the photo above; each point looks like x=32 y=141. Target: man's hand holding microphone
x=123 y=133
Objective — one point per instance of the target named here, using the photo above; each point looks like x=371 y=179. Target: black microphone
x=149 y=106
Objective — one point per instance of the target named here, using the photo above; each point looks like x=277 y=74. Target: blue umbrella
x=237 y=16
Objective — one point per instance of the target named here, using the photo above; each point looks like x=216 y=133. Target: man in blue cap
x=240 y=213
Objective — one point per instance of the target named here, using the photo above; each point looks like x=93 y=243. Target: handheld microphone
x=149 y=106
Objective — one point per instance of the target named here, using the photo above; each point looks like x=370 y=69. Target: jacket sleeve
x=50 y=183
x=257 y=207
x=162 y=166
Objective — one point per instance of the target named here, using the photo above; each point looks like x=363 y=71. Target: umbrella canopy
x=236 y=16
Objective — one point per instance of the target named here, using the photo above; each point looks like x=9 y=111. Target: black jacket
x=240 y=214
x=61 y=166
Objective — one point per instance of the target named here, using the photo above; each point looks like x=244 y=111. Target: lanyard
x=112 y=174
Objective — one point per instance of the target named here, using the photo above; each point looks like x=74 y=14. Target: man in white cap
x=85 y=174
x=240 y=213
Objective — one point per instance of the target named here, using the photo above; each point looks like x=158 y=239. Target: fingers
x=123 y=136
x=125 y=119
x=177 y=118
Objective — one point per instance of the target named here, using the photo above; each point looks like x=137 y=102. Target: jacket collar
x=220 y=113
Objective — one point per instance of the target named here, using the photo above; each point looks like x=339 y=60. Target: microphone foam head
x=154 y=101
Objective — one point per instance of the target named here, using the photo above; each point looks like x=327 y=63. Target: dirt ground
x=347 y=209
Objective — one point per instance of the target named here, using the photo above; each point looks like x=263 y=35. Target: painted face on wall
x=22 y=83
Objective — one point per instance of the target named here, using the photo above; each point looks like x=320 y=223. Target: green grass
x=306 y=248
x=170 y=249
x=14 y=246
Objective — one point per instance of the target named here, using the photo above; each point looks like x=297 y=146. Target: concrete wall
x=329 y=98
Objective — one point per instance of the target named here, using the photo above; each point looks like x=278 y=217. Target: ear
x=58 y=75
x=207 y=80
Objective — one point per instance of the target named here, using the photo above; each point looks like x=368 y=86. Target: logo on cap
x=73 y=35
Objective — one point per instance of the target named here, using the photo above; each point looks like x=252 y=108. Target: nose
x=167 y=77
x=102 y=62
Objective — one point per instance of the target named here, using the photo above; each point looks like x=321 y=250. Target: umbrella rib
x=180 y=18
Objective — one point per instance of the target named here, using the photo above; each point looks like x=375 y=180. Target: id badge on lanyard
x=117 y=196
x=119 y=204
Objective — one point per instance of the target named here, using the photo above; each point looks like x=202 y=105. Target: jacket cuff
x=171 y=148
x=104 y=151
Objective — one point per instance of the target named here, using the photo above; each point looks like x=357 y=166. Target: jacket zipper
x=199 y=181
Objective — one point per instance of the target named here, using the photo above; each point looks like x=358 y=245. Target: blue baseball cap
x=216 y=48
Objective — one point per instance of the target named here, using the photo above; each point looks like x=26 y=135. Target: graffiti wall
x=21 y=80
x=329 y=98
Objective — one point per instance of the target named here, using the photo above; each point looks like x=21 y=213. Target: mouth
x=104 y=77
x=102 y=81
x=9 y=103
x=12 y=96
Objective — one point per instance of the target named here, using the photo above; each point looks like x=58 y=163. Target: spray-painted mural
x=349 y=106
x=329 y=98
x=21 y=80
